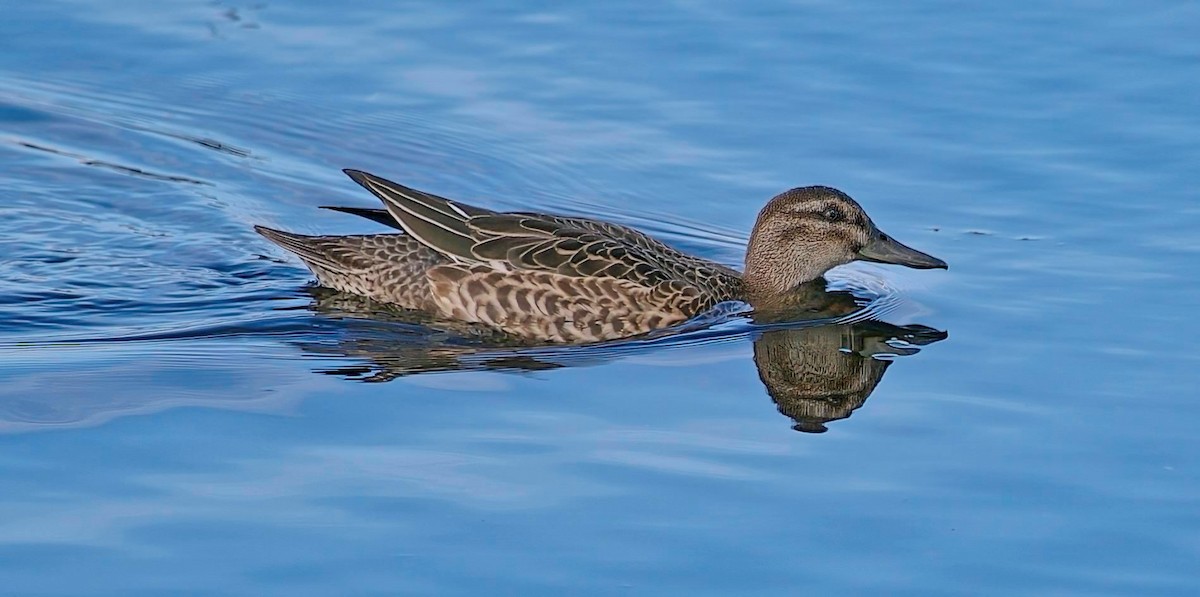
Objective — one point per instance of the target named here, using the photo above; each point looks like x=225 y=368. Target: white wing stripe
x=383 y=192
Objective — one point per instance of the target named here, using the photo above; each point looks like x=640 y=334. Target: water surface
x=180 y=412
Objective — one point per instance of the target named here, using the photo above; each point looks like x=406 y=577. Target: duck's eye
x=832 y=214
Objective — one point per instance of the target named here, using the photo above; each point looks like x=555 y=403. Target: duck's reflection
x=826 y=362
x=820 y=374
x=817 y=354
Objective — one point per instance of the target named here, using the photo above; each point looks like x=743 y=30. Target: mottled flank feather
x=559 y=308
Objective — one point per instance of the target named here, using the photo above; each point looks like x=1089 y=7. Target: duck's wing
x=568 y=246
x=383 y=216
x=439 y=223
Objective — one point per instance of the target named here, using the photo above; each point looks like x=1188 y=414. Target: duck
x=570 y=279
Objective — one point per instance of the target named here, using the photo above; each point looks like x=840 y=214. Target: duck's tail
x=313 y=250
x=381 y=216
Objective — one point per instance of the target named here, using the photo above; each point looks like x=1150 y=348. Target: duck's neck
x=770 y=271
x=761 y=280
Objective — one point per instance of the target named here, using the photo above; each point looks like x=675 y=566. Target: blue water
x=178 y=414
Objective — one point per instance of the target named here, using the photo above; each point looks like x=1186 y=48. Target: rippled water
x=181 y=413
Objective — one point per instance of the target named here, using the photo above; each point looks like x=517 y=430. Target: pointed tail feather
x=310 y=249
x=381 y=216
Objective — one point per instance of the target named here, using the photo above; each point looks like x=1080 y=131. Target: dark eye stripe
x=831 y=213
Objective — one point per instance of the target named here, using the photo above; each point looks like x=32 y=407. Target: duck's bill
x=885 y=249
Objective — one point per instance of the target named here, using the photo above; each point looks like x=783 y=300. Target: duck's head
x=804 y=232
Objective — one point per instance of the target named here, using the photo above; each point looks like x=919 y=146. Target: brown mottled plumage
x=569 y=279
